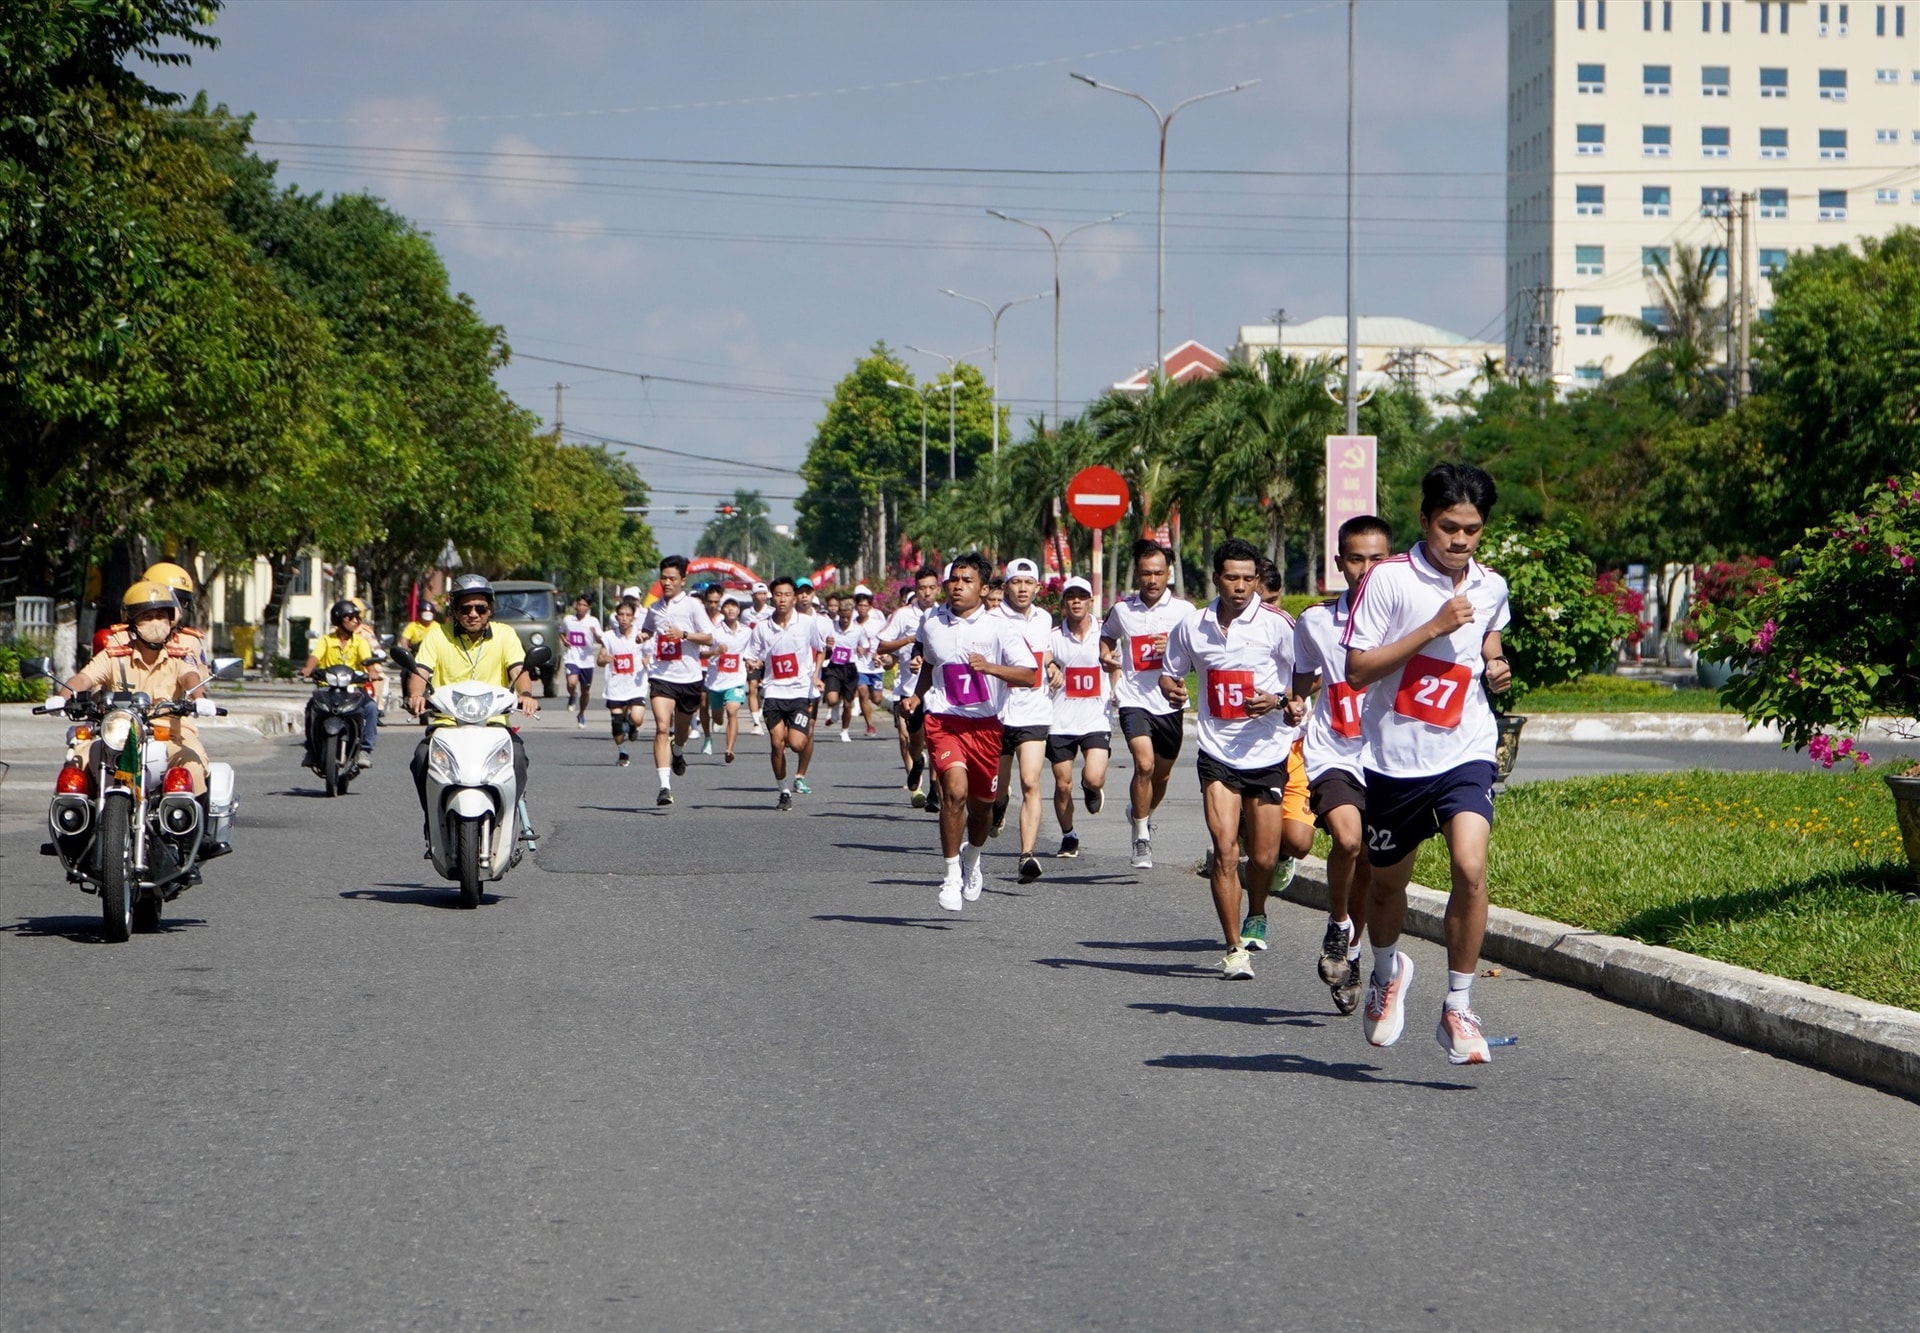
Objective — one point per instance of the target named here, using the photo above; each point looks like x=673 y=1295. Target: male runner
x=805 y=605
x=1080 y=724
x=580 y=632
x=847 y=642
x=727 y=671
x=620 y=652
x=1136 y=629
x=869 y=665
x=1242 y=652
x=1026 y=716
x=1425 y=633
x=758 y=611
x=899 y=639
x=788 y=645
x=996 y=593
x=1335 y=755
x=968 y=657
x=678 y=624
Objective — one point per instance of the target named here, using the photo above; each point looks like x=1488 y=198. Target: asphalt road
x=721 y=1068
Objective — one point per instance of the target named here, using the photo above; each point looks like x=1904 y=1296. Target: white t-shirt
x=1029 y=705
x=626 y=666
x=1080 y=704
x=726 y=660
x=904 y=624
x=675 y=660
x=581 y=634
x=1132 y=625
x=789 y=653
x=1253 y=652
x=868 y=662
x=848 y=643
x=1432 y=715
x=947 y=641
x=1331 y=738
x=753 y=615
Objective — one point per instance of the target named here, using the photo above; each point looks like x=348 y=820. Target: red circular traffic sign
x=1098 y=496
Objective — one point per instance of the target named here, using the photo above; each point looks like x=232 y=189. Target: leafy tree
x=1679 y=366
x=579 y=533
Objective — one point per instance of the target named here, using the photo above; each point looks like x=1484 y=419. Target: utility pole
x=1745 y=378
x=558 y=422
x=1279 y=327
x=1733 y=300
x=1353 y=318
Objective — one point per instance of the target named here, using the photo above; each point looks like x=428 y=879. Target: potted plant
x=1833 y=642
x=1563 y=619
x=1722 y=585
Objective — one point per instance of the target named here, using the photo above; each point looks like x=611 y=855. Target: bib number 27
x=1433 y=691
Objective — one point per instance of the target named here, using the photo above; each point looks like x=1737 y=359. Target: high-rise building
x=1635 y=126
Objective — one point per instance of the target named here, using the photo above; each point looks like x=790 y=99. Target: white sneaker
x=976 y=882
x=844 y=738
x=950 y=895
x=758 y=730
x=1459 y=1036
x=1236 y=964
x=1386 y=1012
x=1143 y=854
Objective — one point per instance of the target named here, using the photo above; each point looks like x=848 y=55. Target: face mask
x=154 y=632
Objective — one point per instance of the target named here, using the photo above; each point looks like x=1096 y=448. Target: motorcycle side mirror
x=404 y=656
x=36 y=668
x=228 y=668
x=539 y=657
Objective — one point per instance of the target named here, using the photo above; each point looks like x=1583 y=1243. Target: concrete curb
x=1874 y=1043
x=1601 y=727
x=22 y=734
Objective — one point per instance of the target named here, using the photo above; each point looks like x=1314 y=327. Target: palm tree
x=742 y=532
x=1682 y=353
x=1141 y=436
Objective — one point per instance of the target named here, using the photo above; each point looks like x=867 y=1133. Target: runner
x=827 y=608
x=1026 y=716
x=969 y=657
x=1080 y=696
x=581 y=633
x=899 y=639
x=620 y=651
x=677 y=622
x=869 y=665
x=702 y=728
x=1425 y=627
x=753 y=615
x=727 y=672
x=1242 y=653
x=1136 y=630
x=1335 y=755
x=996 y=594
x=805 y=605
x=788 y=645
x=847 y=643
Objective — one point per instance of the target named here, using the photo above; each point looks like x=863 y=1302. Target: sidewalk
x=249 y=720
x=1874 y=1043
x=1668 y=727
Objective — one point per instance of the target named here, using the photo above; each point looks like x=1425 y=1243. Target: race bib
x=1343 y=709
x=1228 y=693
x=842 y=655
x=729 y=663
x=668 y=650
x=577 y=638
x=623 y=664
x=963 y=684
x=785 y=666
x=1081 y=682
x=1433 y=691
x=1146 y=657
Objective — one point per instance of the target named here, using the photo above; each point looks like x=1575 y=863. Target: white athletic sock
x=1353 y=950
x=786 y=785
x=1459 y=990
x=1385 y=964
x=666 y=776
x=1140 y=829
x=953 y=869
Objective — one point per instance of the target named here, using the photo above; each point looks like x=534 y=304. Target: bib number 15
x=1228 y=693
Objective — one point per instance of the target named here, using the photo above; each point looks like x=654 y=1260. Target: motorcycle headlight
x=471 y=709
x=440 y=763
x=499 y=763
x=115 y=727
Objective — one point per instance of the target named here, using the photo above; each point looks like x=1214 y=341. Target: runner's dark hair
x=1360 y=524
x=1450 y=484
x=927 y=572
x=978 y=563
x=1146 y=547
x=1268 y=574
x=678 y=562
x=782 y=579
x=1235 y=548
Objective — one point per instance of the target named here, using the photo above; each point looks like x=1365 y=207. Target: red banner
x=1352 y=482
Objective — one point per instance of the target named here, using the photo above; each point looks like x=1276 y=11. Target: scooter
x=334 y=725
x=125 y=825
x=477 y=821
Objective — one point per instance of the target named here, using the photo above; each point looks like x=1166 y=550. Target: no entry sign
x=1098 y=496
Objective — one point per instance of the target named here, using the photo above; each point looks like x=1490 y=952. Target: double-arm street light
x=921 y=393
x=1160 y=228
x=952 y=382
x=994 y=314
x=1056 y=243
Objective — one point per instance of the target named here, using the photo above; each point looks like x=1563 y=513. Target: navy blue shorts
x=1402 y=813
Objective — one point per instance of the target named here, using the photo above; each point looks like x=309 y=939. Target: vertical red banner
x=1352 y=488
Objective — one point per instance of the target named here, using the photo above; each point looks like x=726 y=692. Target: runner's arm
x=1367 y=665
x=1499 y=672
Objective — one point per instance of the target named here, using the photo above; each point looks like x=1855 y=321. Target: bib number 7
x=1433 y=691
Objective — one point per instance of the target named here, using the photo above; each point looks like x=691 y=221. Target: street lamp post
x=921 y=393
x=952 y=382
x=994 y=314
x=1056 y=243
x=1160 y=226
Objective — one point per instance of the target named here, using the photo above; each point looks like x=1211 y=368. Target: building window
x=1886 y=196
x=1653 y=258
x=1764 y=12
x=1783 y=18
x=1886 y=136
x=1646 y=15
x=1589 y=201
x=1823 y=20
x=1842 y=30
x=1773 y=143
x=1833 y=205
x=1713 y=80
x=1589 y=373
x=1655 y=317
x=1833 y=145
x=1772 y=261
x=1600 y=14
x=1717 y=257
x=301 y=584
x=1590 y=78
x=1773 y=204
x=1656 y=201
x=1706 y=15
x=1589 y=140
x=1726 y=16
x=1586 y=321
x=1666 y=15
x=1773 y=83
x=1656 y=140
x=1715 y=140
x=1886 y=76
x=1713 y=201
x=1580 y=14
x=1656 y=80
x=1833 y=85
x=1589 y=261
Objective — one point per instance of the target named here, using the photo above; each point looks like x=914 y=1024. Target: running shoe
x=801 y=786
x=950 y=894
x=1459 y=1036
x=729 y=756
x=366 y=760
x=665 y=797
x=932 y=806
x=914 y=774
x=999 y=821
x=1029 y=868
x=1333 y=955
x=1205 y=868
x=870 y=730
x=623 y=761
x=758 y=730
x=786 y=801
x=976 y=883
x=917 y=798
x=1094 y=797
x=1253 y=933
x=1346 y=991
x=693 y=731
x=706 y=746
x=1143 y=854
x=1386 y=1013
x=1236 y=964
x=679 y=762
x=1283 y=875
x=1069 y=846
x=581 y=722
x=845 y=739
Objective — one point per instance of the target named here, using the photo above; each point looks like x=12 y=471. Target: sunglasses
x=473 y=609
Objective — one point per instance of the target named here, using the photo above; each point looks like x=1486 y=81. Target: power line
x=768 y=389
x=678 y=453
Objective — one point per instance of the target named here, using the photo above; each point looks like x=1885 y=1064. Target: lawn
x=1796 y=874
x=1619 y=694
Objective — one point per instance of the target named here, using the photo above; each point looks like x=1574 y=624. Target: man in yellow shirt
x=415 y=630
x=344 y=645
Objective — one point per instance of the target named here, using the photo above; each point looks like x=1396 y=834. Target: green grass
x=1796 y=874
x=1619 y=694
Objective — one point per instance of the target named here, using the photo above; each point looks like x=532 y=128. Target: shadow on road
x=416 y=895
x=1279 y=1062
x=1229 y=1013
x=922 y=923
x=1138 y=969
x=86 y=929
x=1155 y=946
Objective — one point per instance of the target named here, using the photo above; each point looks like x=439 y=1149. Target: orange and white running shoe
x=1386 y=1011
x=1459 y=1036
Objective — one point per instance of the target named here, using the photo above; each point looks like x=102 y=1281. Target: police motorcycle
x=131 y=830
x=334 y=724
x=477 y=821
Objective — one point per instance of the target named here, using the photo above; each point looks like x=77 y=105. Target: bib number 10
x=1433 y=691
x=1343 y=706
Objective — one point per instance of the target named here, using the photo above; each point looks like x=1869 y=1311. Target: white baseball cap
x=760 y=587
x=1076 y=584
x=1023 y=569
x=630 y=592
x=862 y=590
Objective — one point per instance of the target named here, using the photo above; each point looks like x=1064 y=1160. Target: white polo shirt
x=947 y=641
x=1029 y=705
x=752 y=615
x=1331 y=737
x=867 y=660
x=581 y=634
x=1132 y=625
x=1432 y=715
x=1252 y=652
x=904 y=624
x=726 y=660
x=1080 y=704
x=626 y=666
x=675 y=660
x=788 y=653
x=848 y=643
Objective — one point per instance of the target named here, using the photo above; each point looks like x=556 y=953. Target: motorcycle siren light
x=72 y=779
x=179 y=779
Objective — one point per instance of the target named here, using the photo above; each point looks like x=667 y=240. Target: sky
x=714 y=210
